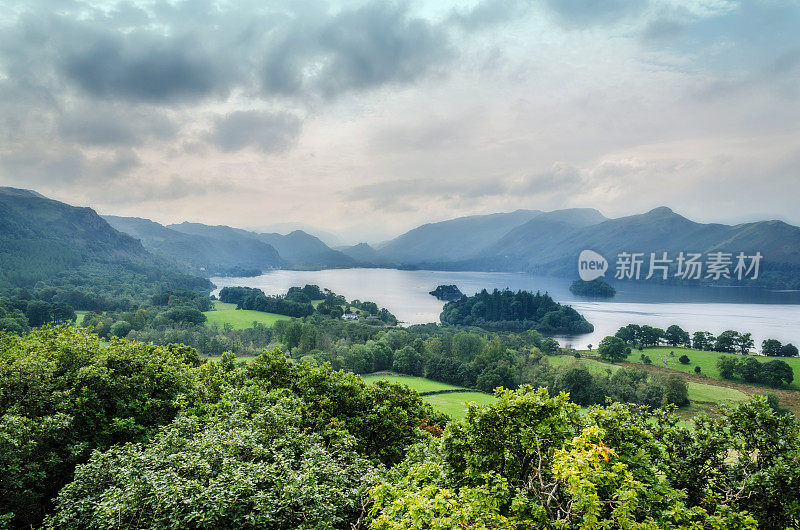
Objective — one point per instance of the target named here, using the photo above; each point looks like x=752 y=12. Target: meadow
x=240 y=318
x=452 y=403
x=707 y=361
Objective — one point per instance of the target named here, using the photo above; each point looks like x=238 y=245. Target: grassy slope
x=240 y=319
x=420 y=384
x=452 y=404
x=707 y=361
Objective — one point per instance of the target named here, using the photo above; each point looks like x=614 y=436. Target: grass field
x=454 y=403
x=240 y=318
x=707 y=361
x=420 y=384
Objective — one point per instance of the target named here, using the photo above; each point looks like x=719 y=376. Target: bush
x=645 y=359
x=684 y=359
x=697 y=370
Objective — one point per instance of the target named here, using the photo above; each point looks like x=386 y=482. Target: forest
x=131 y=434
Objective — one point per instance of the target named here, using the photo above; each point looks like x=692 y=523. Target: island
x=597 y=288
x=447 y=293
x=515 y=311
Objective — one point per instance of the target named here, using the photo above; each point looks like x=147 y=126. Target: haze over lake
x=765 y=314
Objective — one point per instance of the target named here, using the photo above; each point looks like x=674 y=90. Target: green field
x=420 y=384
x=454 y=403
x=240 y=318
x=707 y=361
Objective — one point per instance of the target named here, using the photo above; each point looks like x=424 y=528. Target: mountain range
x=53 y=236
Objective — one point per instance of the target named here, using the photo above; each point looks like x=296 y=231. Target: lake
x=765 y=314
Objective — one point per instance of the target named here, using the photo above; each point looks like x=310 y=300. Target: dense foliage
x=533 y=461
x=597 y=288
x=510 y=311
x=447 y=292
x=134 y=435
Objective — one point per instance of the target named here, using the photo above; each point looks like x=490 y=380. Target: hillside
x=553 y=247
x=362 y=253
x=43 y=240
x=452 y=240
x=296 y=249
x=211 y=255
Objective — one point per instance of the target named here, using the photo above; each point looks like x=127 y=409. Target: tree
x=120 y=328
x=550 y=346
x=776 y=373
x=697 y=370
x=726 y=367
x=789 y=350
x=236 y=469
x=676 y=390
x=727 y=341
x=38 y=313
x=612 y=349
x=580 y=384
x=745 y=343
x=676 y=336
x=408 y=361
x=684 y=359
x=771 y=347
x=702 y=340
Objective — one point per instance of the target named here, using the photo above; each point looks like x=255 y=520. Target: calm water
x=765 y=314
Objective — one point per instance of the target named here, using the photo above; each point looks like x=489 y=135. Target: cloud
x=270 y=132
x=364 y=48
x=113 y=125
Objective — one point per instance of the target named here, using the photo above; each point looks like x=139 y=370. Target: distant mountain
x=297 y=249
x=547 y=246
x=362 y=253
x=453 y=240
x=304 y=250
x=46 y=240
x=219 y=253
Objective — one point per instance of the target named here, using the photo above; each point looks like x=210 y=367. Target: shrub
x=684 y=359
x=697 y=370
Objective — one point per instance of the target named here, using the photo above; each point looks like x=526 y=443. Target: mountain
x=304 y=250
x=362 y=253
x=43 y=240
x=552 y=247
x=453 y=240
x=297 y=249
x=201 y=253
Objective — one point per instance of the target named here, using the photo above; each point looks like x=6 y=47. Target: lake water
x=765 y=314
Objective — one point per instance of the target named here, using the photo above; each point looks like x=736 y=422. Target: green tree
x=121 y=328
x=676 y=336
x=789 y=350
x=612 y=349
x=776 y=373
x=771 y=347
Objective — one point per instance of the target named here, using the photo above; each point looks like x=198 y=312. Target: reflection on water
x=765 y=314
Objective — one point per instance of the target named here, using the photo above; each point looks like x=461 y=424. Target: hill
x=452 y=240
x=296 y=249
x=552 y=247
x=43 y=240
x=362 y=253
x=200 y=253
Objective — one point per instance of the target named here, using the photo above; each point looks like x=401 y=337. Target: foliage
x=238 y=468
x=772 y=373
x=533 y=461
x=613 y=349
x=64 y=395
x=596 y=288
x=447 y=292
x=507 y=310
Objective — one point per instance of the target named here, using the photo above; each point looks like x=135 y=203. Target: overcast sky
x=370 y=118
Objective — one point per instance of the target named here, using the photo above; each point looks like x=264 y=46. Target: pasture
x=240 y=318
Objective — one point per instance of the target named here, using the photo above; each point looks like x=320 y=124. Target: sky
x=366 y=119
